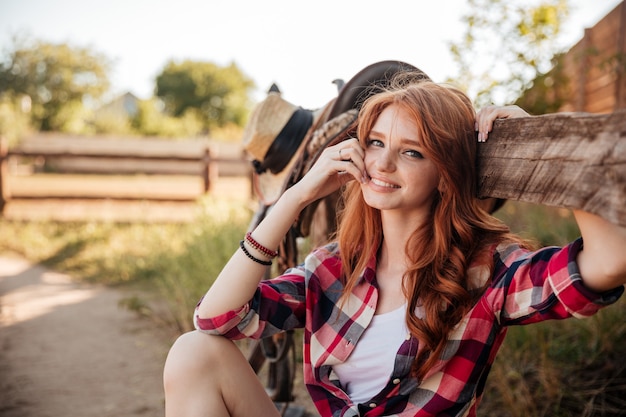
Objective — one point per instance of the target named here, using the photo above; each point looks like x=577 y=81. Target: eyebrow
x=413 y=142
x=404 y=141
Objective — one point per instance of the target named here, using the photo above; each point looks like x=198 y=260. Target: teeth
x=383 y=184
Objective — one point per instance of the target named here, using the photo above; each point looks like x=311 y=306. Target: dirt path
x=67 y=349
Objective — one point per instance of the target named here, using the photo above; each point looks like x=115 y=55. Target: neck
x=392 y=262
x=396 y=232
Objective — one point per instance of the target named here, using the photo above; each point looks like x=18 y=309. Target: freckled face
x=401 y=178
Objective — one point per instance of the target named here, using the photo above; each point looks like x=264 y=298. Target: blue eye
x=375 y=142
x=415 y=154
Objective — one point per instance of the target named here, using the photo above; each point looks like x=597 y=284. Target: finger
x=355 y=145
x=484 y=122
x=355 y=169
x=486 y=117
x=354 y=155
x=352 y=172
x=345 y=154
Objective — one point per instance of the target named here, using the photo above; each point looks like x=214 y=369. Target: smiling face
x=401 y=177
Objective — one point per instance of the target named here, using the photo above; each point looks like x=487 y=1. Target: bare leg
x=209 y=376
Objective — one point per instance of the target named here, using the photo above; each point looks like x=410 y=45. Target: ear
x=442 y=187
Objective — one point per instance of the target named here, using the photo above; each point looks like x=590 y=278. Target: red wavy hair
x=459 y=231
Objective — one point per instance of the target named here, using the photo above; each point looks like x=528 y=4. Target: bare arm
x=602 y=262
x=237 y=282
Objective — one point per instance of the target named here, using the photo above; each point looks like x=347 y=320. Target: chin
x=378 y=202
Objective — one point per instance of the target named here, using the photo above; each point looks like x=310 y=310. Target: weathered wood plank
x=573 y=160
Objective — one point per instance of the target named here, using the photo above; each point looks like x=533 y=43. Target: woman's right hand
x=337 y=165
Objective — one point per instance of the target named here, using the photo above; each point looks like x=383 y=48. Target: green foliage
x=505 y=46
x=557 y=368
x=150 y=121
x=218 y=95
x=565 y=368
x=58 y=78
x=106 y=253
x=548 y=92
x=14 y=120
x=227 y=133
x=110 y=123
x=544 y=225
x=71 y=117
x=185 y=276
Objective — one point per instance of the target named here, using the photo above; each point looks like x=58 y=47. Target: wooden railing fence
x=572 y=160
x=209 y=170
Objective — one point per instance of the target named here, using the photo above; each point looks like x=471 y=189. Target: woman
x=403 y=314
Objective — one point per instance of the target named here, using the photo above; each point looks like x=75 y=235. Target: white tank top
x=369 y=366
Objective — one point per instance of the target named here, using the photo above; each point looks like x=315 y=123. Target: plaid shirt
x=526 y=287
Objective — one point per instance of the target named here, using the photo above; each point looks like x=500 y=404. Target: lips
x=382 y=183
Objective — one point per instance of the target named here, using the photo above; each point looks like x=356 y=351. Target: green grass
x=558 y=368
x=544 y=225
x=565 y=368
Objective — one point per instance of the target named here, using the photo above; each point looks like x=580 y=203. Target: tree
x=58 y=78
x=505 y=46
x=150 y=121
x=218 y=95
x=14 y=123
x=548 y=92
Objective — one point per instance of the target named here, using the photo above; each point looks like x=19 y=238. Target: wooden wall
x=595 y=67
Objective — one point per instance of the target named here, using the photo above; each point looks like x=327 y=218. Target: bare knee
x=192 y=355
x=191 y=376
x=204 y=372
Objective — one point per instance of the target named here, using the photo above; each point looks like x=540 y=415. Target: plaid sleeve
x=546 y=284
x=277 y=305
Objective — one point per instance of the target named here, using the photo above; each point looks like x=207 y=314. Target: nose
x=385 y=161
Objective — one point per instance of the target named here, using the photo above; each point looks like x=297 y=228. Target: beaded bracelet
x=252 y=257
x=256 y=245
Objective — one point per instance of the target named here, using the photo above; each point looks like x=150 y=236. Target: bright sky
x=300 y=46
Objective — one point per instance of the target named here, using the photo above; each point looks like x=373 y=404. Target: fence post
x=206 y=175
x=210 y=169
x=4 y=172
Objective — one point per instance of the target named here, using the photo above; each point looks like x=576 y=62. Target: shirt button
x=372 y=405
x=396 y=381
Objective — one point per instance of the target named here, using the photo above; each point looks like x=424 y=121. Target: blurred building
x=125 y=106
x=590 y=77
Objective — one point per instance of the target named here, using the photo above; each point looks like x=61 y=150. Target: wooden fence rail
x=572 y=160
x=208 y=170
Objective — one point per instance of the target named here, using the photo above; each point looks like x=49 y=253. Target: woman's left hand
x=486 y=116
